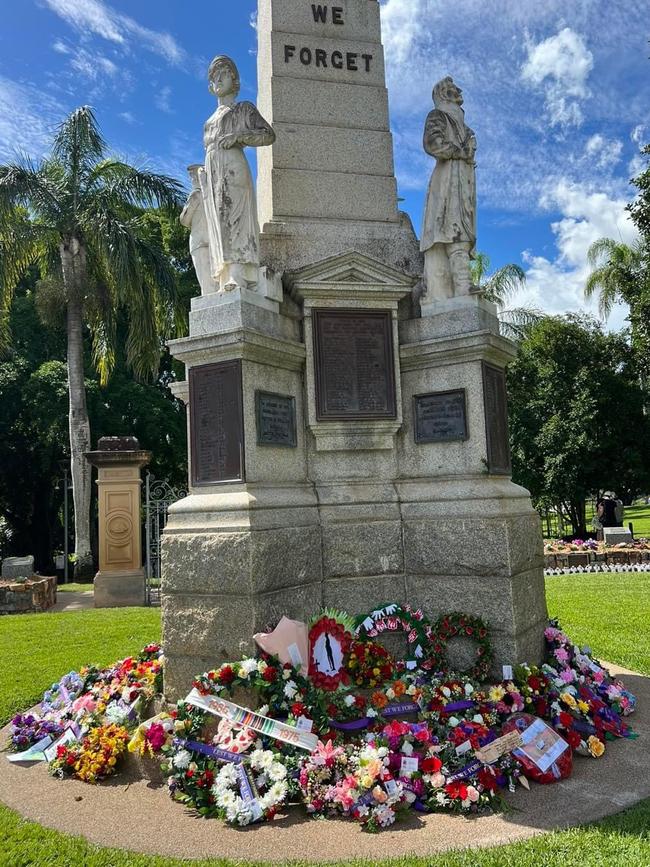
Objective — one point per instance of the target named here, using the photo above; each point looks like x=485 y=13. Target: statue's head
x=223 y=76
x=446 y=91
x=193 y=172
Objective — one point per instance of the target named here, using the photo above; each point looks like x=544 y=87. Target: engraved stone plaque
x=216 y=423
x=276 y=419
x=355 y=374
x=496 y=419
x=440 y=417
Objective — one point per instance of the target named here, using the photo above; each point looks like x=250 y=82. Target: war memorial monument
x=347 y=418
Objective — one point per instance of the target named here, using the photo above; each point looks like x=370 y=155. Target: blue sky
x=558 y=92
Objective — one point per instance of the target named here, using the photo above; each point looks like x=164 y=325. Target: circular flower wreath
x=458 y=625
x=394 y=618
x=268 y=787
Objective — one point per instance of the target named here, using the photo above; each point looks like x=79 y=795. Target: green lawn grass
x=74 y=587
x=609 y=612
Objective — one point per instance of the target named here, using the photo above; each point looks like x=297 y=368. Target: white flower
x=349 y=700
x=478 y=718
x=116 y=713
x=182 y=759
x=382 y=752
x=442 y=799
x=226 y=799
x=278 y=792
x=445 y=691
x=261 y=760
x=247 y=666
x=411 y=690
x=469 y=689
x=277 y=772
x=286 y=673
x=407 y=748
x=290 y=689
x=262 y=711
x=409 y=796
x=261 y=666
x=261 y=781
x=363 y=810
x=371 y=712
x=453 y=721
x=227 y=776
x=390 y=693
x=385 y=816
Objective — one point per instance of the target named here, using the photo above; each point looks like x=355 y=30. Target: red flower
x=189 y=774
x=535 y=683
x=226 y=675
x=332 y=710
x=487 y=780
x=297 y=708
x=431 y=765
x=456 y=790
x=360 y=702
x=270 y=674
x=566 y=720
x=573 y=738
x=469 y=630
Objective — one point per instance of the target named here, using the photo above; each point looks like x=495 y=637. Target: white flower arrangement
x=269 y=773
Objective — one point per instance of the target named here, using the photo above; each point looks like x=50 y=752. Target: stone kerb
x=36 y=594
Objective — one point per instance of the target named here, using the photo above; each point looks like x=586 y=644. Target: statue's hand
x=228 y=141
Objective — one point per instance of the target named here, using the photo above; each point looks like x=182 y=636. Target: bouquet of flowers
x=369 y=663
x=95 y=757
x=242 y=796
x=28 y=729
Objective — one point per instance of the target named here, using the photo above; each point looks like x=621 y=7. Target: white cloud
x=162 y=99
x=604 y=152
x=27 y=119
x=93 y=66
x=127 y=117
x=561 y=65
x=60 y=47
x=95 y=16
x=556 y=285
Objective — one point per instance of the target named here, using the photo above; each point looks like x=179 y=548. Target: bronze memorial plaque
x=276 y=419
x=355 y=373
x=496 y=419
x=440 y=417
x=216 y=423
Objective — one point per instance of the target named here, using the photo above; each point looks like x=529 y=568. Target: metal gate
x=159 y=495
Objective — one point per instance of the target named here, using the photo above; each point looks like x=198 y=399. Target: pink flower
x=473 y=794
x=561 y=655
x=325 y=754
x=85 y=703
x=568 y=675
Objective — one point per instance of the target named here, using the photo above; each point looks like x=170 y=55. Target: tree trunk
x=73 y=261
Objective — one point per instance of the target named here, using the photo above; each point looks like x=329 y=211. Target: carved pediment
x=346 y=275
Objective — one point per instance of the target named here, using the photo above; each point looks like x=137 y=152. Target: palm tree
x=615 y=272
x=79 y=217
x=498 y=288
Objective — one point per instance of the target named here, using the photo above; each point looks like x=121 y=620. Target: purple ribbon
x=211 y=752
x=398 y=709
x=245 y=786
x=352 y=726
x=466 y=772
x=458 y=705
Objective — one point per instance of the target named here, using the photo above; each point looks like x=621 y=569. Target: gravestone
x=616 y=535
x=348 y=436
x=17 y=567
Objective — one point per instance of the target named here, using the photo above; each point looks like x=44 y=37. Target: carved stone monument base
x=123 y=590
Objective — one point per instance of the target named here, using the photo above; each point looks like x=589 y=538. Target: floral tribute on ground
x=351 y=732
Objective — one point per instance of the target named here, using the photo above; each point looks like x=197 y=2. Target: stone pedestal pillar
x=120 y=580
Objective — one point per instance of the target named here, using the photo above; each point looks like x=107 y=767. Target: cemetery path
x=149 y=822
x=74 y=601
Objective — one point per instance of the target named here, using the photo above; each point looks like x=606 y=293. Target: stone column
x=120 y=580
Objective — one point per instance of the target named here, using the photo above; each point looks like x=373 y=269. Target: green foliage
x=576 y=415
x=34 y=427
x=499 y=287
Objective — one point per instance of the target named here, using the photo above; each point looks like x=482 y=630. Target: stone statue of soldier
x=227 y=183
x=449 y=231
x=194 y=218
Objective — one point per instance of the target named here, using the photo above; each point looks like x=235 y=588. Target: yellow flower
x=497 y=693
x=596 y=747
x=569 y=700
x=584 y=707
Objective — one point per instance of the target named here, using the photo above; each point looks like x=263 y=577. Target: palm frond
x=517 y=322
x=504 y=283
x=25 y=184
x=78 y=143
x=138 y=187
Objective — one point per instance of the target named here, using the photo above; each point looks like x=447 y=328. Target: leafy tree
x=33 y=429
x=499 y=288
x=576 y=413
x=84 y=226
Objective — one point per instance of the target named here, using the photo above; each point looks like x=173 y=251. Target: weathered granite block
x=362 y=549
x=300 y=604
x=463 y=547
x=273 y=550
x=208 y=626
x=209 y=563
x=360 y=595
